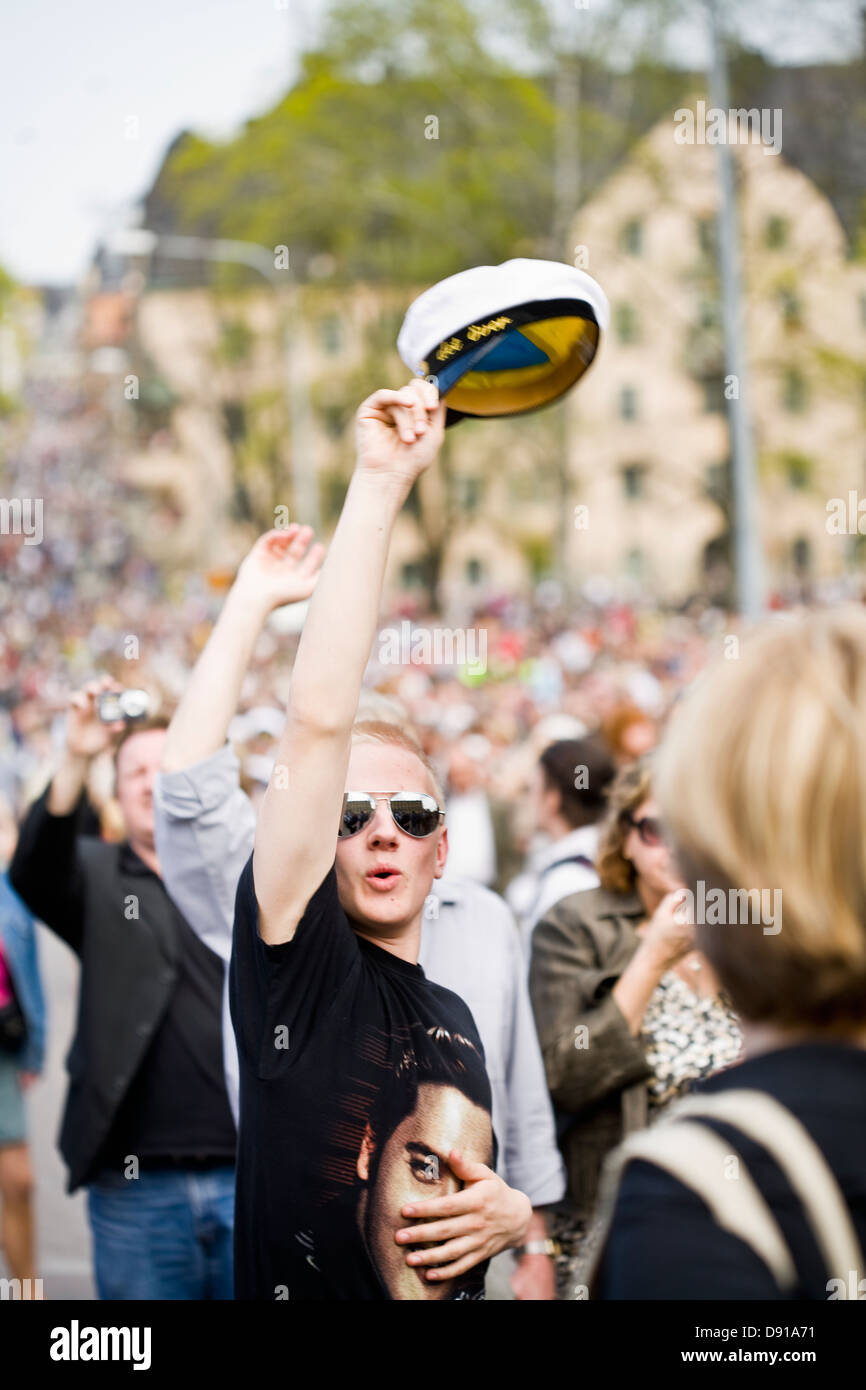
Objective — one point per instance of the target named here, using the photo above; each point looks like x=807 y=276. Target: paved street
x=62 y=1234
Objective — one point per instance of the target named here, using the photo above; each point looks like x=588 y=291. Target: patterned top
x=687 y=1037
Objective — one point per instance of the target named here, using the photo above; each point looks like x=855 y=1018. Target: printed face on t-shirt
x=377 y=911
x=412 y=1166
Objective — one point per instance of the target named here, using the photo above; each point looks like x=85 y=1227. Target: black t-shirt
x=665 y=1244
x=177 y=1106
x=358 y=1075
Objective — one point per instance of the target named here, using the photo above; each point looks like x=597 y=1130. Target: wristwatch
x=540 y=1247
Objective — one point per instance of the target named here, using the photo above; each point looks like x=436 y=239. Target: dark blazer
x=596 y=1069
x=114 y=912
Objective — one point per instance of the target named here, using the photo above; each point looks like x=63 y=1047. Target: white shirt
x=471 y=847
x=551 y=876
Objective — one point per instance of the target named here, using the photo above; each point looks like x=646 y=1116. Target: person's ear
x=549 y=799
x=441 y=853
x=368 y=1148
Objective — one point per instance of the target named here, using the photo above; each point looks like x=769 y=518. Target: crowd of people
x=85 y=599
x=390 y=971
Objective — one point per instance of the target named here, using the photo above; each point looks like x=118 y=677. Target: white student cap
x=504 y=339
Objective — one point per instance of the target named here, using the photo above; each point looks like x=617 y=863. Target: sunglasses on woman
x=649 y=828
x=415 y=813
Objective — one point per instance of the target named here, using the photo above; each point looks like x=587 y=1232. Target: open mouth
x=383 y=879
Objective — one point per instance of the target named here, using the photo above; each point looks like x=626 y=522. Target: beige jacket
x=596 y=1069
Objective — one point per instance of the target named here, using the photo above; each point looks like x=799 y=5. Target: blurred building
x=638 y=479
x=648 y=431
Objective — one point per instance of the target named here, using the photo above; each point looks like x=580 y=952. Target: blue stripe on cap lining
x=505 y=354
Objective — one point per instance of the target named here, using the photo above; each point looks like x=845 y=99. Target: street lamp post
x=746 y=538
x=141 y=241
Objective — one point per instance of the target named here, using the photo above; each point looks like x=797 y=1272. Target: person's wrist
x=656 y=955
x=246 y=604
x=546 y=1249
x=524 y=1218
x=68 y=783
x=76 y=762
x=388 y=489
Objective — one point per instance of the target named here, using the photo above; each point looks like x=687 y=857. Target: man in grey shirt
x=205 y=830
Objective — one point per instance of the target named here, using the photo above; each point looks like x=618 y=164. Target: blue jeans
x=165 y=1234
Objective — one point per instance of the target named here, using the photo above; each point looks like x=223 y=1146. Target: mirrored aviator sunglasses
x=415 y=813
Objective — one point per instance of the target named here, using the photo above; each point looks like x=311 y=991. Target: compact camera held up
x=114 y=705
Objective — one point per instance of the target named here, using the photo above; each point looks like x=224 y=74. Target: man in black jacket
x=147 y=1125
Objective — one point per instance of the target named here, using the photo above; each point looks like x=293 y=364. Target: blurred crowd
x=86 y=600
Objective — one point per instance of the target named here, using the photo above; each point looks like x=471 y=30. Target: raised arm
x=44 y=871
x=398 y=435
x=588 y=1048
x=204 y=823
x=281 y=568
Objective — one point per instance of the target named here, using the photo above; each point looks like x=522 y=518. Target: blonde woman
x=628 y=1012
x=762 y=783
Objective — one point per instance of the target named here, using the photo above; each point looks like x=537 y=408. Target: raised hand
x=670 y=932
x=86 y=735
x=281 y=568
x=399 y=433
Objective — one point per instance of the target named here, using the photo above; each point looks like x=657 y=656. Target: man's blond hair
x=383 y=731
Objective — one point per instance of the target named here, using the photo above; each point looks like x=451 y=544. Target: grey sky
x=75 y=71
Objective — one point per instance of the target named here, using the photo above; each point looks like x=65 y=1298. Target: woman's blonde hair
x=630 y=789
x=383 y=731
x=762 y=783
